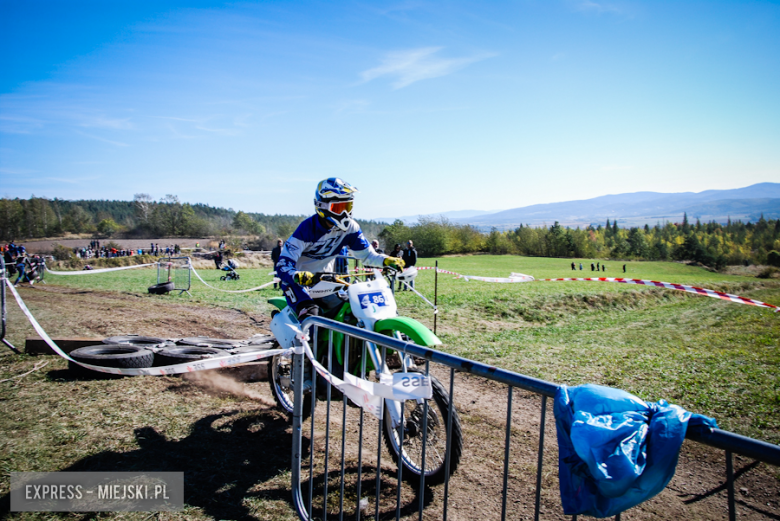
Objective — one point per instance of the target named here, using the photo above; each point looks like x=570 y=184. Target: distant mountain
x=457 y=214
x=641 y=208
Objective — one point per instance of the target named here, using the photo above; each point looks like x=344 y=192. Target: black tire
x=222 y=278
x=124 y=356
x=204 y=341
x=281 y=382
x=136 y=340
x=182 y=354
x=249 y=349
x=437 y=443
x=161 y=289
x=259 y=340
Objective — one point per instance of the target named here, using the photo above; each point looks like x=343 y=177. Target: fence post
x=3 y=278
x=297 y=441
x=435 y=296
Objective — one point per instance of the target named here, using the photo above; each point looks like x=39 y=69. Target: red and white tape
x=681 y=287
x=520 y=277
x=515 y=277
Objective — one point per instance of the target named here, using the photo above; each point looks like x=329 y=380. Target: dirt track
x=696 y=492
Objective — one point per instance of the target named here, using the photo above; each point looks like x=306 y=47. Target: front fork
x=393 y=406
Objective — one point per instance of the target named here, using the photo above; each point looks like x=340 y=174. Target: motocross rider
x=318 y=240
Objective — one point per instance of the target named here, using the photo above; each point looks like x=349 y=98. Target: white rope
x=368 y=395
x=228 y=290
x=101 y=270
x=435 y=309
x=187 y=367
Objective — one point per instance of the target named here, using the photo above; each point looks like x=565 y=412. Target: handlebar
x=331 y=276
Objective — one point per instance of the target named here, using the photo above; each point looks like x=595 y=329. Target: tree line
x=711 y=244
x=143 y=217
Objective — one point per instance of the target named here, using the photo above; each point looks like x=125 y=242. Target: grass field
x=709 y=356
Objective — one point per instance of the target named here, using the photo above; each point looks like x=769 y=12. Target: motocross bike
x=370 y=304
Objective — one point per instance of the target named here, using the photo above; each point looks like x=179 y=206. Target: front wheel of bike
x=437 y=441
x=280 y=376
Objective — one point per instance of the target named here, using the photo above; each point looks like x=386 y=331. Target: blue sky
x=424 y=106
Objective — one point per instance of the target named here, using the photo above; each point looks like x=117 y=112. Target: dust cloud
x=216 y=382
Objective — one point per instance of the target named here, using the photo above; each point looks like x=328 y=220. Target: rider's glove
x=307 y=309
x=304 y=278
x=395 y=263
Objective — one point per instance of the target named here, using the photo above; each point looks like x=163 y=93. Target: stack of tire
x=135 y=351
x=195 y=348
x=124 y=352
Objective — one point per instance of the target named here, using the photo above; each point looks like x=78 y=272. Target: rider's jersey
x=313 y=247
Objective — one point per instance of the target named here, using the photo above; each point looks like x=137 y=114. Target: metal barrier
x=177 y=270
x=3 y=277
x=729 y=442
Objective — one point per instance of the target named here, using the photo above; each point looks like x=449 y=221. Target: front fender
x=418 y=333
x=279 y=302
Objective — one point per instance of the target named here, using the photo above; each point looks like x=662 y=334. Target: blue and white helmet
x=333 y=201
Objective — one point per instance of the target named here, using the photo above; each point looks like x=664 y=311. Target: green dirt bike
x=370 y=304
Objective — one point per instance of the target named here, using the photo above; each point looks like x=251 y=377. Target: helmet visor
x=339 y=207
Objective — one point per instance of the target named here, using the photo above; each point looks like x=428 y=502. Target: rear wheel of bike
x=280 y=376
x=437 y=442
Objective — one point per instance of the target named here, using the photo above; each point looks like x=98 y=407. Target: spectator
x=580 y=266
x=603 y=267
x=342 y=264
x=397 y=251
x=592 y=267
x=410 y=259
x=218 y=259
x=275 y=254
x=375 y=245
x=624 y=268
x=21 y=265
x=10 y=264
x=573 y=267
x=598 y=268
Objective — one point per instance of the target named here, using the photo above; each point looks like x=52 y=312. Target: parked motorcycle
x=370 y=304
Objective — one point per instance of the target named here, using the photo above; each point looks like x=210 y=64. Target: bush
x=61 y=253
x=768 y=272
x=773 y=258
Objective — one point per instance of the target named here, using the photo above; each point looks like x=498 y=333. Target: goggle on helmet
x=333 y=201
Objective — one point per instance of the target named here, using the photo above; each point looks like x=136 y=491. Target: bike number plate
x=376 y=298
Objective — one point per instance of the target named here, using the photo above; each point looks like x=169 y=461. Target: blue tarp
x=614 y=449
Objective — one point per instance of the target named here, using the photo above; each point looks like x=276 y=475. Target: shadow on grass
x=226 y=459
x=387 y=499
x=223 y=459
